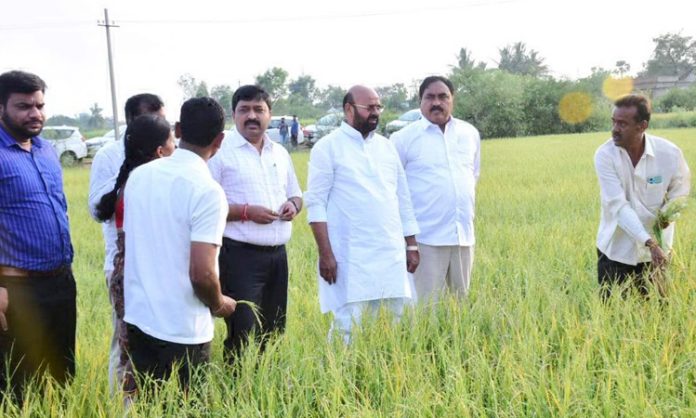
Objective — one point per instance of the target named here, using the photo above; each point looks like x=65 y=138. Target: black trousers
x=610 y=272
x=259 y=275
x=40 y=338
x=154 y=358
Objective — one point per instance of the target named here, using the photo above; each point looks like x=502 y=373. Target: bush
x=684 y=99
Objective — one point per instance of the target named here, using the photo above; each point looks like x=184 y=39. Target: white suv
x=68 y=143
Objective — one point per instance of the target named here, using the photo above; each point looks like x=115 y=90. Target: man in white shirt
x=264 y=197
x=174 y=215
x=639 y=175
x=359 y=208
x=102 y=179
x=441 y=156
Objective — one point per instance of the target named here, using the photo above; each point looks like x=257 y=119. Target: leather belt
x=266 y=248
x=9 y=271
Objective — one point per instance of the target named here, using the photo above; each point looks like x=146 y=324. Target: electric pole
x=108 y=25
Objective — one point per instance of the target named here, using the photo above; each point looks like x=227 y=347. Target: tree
x=192 y=87
x=332 y=97
x=622 y=68
x=273 y=81
x=202 y=90
x=223 y=94
x=61 y=120
x=516 y=60
x=394 y=97
x=96 y=120
x=466 y=62
x=303 y=89
x=673 y=55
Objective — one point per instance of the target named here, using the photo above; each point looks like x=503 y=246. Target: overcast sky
x=342 y=43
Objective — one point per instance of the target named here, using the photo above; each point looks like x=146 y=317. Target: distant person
x=37 y=288
x=283 y=131
x=264 y=197
x=294 y=131
x=639 y=174
x=174 y=215
x=102 y=178
x=441 y=156
x=149 y=137
x=359 y=209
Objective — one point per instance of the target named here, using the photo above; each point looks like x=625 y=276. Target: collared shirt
x=631 y=196
x=442 y=170
x=34 y=228
x=102 y=179
x=168 y=203
x=358 y=187
x=247 y=177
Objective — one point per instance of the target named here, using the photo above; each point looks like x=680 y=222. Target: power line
x=319 y=17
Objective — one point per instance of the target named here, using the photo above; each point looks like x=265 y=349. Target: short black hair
x=201 y=120
x=348 y=99
x=641 y=103
x=250 y=92
x=433 y=79
x=19 y=82
x=141 y=104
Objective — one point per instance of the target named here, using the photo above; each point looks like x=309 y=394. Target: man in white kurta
x=361 y=215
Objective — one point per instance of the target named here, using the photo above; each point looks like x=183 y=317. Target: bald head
x=362 y=108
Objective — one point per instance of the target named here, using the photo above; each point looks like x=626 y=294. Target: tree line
x=516 y=97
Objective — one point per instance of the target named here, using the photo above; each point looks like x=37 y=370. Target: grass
x=532 y=339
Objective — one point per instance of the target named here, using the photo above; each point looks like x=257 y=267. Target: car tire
x=68 y=159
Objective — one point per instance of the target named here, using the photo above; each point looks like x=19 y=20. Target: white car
x=405 y=119
x=93 y=144
x=274 y=133
x=68 y=143
x=326 y=124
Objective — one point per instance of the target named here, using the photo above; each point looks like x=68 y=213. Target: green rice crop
x=531 y=339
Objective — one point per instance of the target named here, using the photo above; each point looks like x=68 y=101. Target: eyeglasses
x=370 y=108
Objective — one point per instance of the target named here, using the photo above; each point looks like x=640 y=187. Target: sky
x=369 y=42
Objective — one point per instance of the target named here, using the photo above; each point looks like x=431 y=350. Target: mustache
x=252 y=122
x=434 y=108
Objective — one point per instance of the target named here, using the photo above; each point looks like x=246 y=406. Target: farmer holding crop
x=441 y=157
x=640 y=176
x=361 y=216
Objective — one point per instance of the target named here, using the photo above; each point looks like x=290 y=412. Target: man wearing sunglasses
x=360 y=212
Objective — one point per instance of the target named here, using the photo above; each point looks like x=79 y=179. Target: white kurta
x=358 y=187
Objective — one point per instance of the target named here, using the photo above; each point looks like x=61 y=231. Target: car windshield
x=56 y=134
x=410 y=116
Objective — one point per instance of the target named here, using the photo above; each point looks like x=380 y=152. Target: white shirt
x=630 y=197
x=169 y=203
x=442 y=170
x=102 y=179
x=247 y=177
x=358 y=187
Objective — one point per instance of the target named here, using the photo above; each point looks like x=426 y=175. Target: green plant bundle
x=666 y=217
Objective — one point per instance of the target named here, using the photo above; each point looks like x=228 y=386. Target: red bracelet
x=245 y=217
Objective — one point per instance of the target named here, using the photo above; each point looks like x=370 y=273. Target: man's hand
x=412 y=260
x=226 y=308
x=4 y=304
x=288 y=211
x=328 y=267
x=261 y=215
x=659 y=258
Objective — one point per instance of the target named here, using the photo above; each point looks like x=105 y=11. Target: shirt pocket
x=654 y=195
